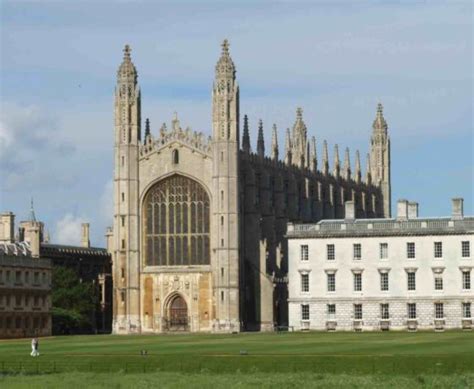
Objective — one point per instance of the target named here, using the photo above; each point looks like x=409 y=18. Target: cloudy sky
x=335 y=59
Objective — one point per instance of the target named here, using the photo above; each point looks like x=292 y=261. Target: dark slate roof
x=47 y=248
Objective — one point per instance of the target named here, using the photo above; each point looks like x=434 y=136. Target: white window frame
x=331 y=252
x=384 y=282
x=411 y=281
x=305 y=316
x=411 y=311
x=331 y=282
x=331 y=311
x=304 y=278
x=357 y=251
x=465 y=249
x=384 y=311
x=438 y=249
x=304 y=252
x=439 y=310
x=466 y=280
x=438 y=282
x=383 y=250
x=466 y=310
x=358 y=313
x=357 y=282
x=411 y=250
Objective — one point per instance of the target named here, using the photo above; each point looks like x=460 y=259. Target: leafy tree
x=73 y=302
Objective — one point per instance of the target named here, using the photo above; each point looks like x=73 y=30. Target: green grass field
x=393 y=359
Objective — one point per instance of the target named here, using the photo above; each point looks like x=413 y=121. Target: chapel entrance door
x=178 y=314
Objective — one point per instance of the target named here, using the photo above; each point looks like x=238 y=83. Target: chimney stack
x=349 y=210
x=402 y=209
x=412 y=210
x=458 y=209
x=7 y=227
x=85 y=242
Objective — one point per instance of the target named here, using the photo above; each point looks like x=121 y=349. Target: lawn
x=423 y=359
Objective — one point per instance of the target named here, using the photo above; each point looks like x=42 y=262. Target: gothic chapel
x=198 y=241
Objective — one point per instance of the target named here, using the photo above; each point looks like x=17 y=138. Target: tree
x=73 y=302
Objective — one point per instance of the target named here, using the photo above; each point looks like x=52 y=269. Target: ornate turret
x=288 y=148
x=347 y=165
x=126 y=72
x=225 y=186
x=325 y=158
x=260 y=140
x=358 y=173
x=336 y=167
x=246 y=136
x=380 y=158
x=274 y=143
x=299 y=143
x=313 y=158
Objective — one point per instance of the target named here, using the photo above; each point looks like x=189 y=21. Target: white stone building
x=375 y=274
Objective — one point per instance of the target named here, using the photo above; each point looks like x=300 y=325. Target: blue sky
x=334 y=59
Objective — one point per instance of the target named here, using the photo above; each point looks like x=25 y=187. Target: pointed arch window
x=175 y=157
x=176 y=223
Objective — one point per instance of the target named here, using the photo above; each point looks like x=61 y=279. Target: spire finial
x=225 y=47
x=299 y=113
x=260 y=140
x=379 y=122
x=32 y=211
x=126 y=52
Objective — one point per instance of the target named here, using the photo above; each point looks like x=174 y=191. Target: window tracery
x=176 y=226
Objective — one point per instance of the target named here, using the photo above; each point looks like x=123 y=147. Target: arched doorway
x=177 y=314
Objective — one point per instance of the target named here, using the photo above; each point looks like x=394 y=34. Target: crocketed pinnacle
x=225 y=68
x=325 y=158
x=260 y=140
x=246 y=136
x=32 y=216
x=347 y=165
x=379 y=123
x=368 y=171
x=288 y=153
x=127 y=71
x=147 y=128
x=313 y=156
x=357 y=167
x=336 y=161
x=274 y=143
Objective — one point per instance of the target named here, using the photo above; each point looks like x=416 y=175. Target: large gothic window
x=176 y=225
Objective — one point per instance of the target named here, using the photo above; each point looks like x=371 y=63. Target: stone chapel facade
x=198 y=241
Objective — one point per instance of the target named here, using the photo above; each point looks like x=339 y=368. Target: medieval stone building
x=199 y=224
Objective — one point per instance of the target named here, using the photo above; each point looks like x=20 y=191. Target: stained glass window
x=176 y=225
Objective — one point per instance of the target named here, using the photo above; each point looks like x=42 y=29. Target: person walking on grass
x=34 y=347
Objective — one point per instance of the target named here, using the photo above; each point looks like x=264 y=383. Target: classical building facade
x=406 y=273
x=199 y=223
x=25 y=292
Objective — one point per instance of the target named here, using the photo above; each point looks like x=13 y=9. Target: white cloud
x=68 y=230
